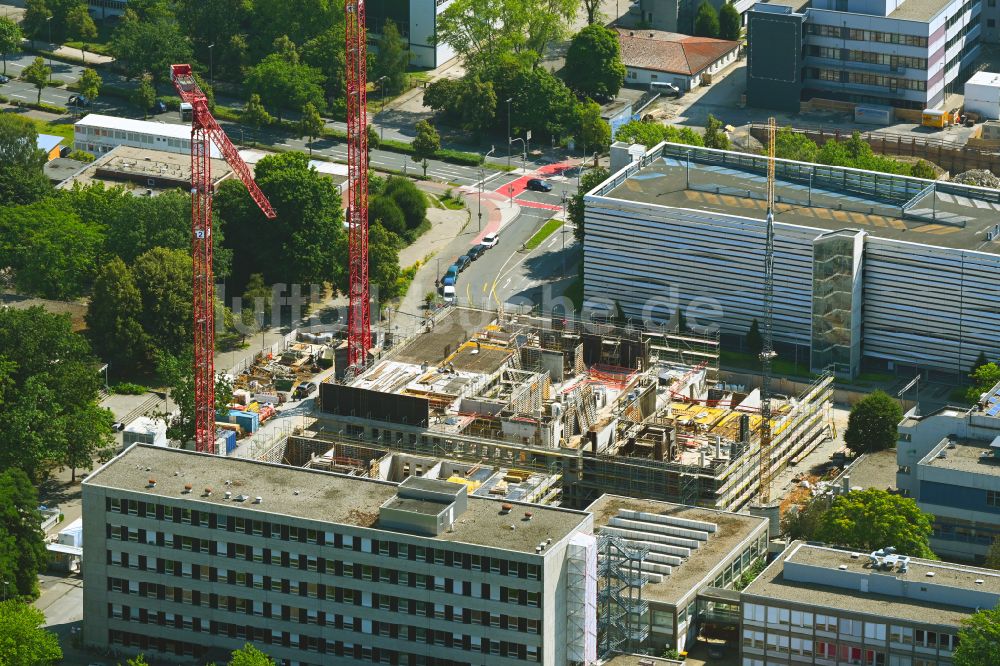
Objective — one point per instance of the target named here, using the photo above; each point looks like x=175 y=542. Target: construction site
x=560 y=413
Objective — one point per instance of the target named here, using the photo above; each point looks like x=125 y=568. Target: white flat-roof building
x=98 y=134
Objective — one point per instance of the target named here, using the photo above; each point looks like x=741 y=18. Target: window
x=777 y=643
x=802 y=646
x=753 y=639
x=753 y=613
x=993 y=498
x=874 y=631
x=850 y=627
x=802 y=619
x=777 y=615
x=902 y=635
x=874 y=658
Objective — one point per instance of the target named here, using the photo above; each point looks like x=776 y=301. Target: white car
x=489 y=240
x=449 y=294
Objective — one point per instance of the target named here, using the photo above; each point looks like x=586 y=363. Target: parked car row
x=450 y=276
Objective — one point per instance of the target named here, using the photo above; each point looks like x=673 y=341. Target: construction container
x=225 y=441
x=72 y=534
x=247 y=421
x=982 y=95
x=934 y=118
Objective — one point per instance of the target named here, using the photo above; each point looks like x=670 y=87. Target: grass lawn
x=547 y=230
x=63 y=129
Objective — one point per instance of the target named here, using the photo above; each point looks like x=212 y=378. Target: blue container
x=225 y=441
x=247 y=421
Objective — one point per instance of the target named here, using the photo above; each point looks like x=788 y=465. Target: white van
x=449 y=294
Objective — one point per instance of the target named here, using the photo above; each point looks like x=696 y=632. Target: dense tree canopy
x=979 y=639
x=249 y=655
x=113 y=318
x=10 y=39
x=730 y=23
x=149 y=44
x=21 y=177
x=593 y=63
x=22 y=546
x=706 y=20
x=23 y=640
x=651 y=134
x=872 y=423
x=52 y=382
x=872 y=519
x=299 y=247
x=392 y=58
x=285 y=84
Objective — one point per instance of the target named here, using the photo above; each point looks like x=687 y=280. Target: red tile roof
x=671 y=52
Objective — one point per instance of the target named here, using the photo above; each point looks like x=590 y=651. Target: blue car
x=450 y=276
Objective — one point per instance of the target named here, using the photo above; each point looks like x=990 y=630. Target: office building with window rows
x=189 y=556
x=820 y=605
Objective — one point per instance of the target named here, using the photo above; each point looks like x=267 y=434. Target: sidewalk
x=69 y=53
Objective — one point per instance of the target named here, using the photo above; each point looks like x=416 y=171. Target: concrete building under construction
x=604 y=408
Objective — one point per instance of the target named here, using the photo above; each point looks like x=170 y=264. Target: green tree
x=706 y=20
x=384 y=211
x=426 y=143
x=164 y=280
x=145 y=94
x=177 y=373
x=469 y=102
x=593 y=63
x=411 y=201
x=311 y=124
x=922 y=169
x=482 y=30
x=871 y=519
x=325 y=52
x=804 y=521
x=53 y=379
x=300 y=246
x=715 y=134
x=984 y=378
x=254 y=113
x=113 y=318
x=871 y=425
x=36 y=17
x=980 y=361
x=139 y=660
x=979 y=639
x=791 y=145
x=21 y=178
x=593 y=9
x=575 y=207
x=282 y=84
x=591 y=128
x=392 y=59
x=149 y=43
x=81 y=27
x=54 y=253
x=38 y=75
x=256 y=313
x=249 y=655
x=754 y=340
x=730 y=24
x=90 y=84
x=22 y=543
x=383 y=261
x=88 y=437
x=23 y=640
x=10 y=39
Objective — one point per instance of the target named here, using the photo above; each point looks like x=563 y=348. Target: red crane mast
x=205 y=130
x=358 y=315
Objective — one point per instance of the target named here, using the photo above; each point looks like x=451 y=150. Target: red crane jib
x=205 y=130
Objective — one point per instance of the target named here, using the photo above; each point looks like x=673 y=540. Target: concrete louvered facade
x=665 y=233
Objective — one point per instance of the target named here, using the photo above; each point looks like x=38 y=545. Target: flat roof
x=875 y=470
x=772 y=584
x=154 y=127
x=963 y=221
x=129 y=164
x=317 y=495
x=919 y=10
x=446 y=336
x=963 y=455
x=732 y=530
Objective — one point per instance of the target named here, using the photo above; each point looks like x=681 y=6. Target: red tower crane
x=358 y=317
x=204 y=131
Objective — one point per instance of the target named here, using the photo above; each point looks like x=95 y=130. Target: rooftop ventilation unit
x=228 y=494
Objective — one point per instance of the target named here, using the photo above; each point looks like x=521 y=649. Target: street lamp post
x=509 y=100
x=482 y=178
x=48 y=22
x=565 y=221
x=381 y=106
x=524 y=155
x=211 y=63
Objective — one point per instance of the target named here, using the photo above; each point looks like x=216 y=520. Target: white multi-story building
x=417 y=24
x=870 y=269
x=98 y=134
x=191 y=556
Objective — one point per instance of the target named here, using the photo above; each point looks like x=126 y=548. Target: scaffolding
x=621 y=626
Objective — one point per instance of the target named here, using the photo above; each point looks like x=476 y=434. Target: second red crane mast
x=358 y=316
x=205 y=131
